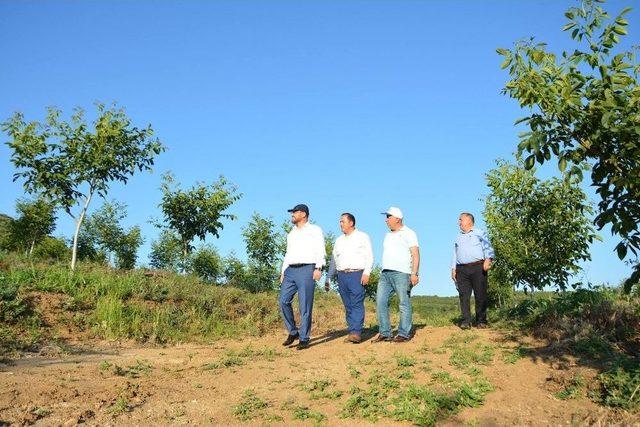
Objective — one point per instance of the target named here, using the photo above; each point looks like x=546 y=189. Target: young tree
x=206 y=263
x=196 y=212
x=104 y=237
x=166 y=252
x=262 y=242
x=36 y=220
x=71 y=163
x=5 y=232
x=235 y=272
x=126 y=251
x=540 y=230
x=584 y=108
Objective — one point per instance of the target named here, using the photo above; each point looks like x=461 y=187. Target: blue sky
x=343 y=105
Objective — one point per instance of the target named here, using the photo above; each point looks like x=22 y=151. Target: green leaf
x=562 y=164
x=569 y=26
x=529 y=162
x=502 y=51
x=619 y=30
x=505 y=63
x=621 y=248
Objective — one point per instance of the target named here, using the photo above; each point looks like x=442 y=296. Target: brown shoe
x=381 y=338
x=353 y=338
x=400 y=338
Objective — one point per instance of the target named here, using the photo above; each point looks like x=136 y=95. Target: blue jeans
x=298 y=280
x=352 y=294
x=400 y=283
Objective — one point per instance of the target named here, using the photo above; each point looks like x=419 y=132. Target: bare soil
x=126 y=384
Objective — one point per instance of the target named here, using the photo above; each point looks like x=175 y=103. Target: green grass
x=112 y=304
x=436 y=311
x=416 y=403
x=250 y=407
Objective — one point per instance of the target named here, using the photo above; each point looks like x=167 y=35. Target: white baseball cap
x=393 y=211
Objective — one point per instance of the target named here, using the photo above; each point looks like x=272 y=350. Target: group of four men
x=352 y=262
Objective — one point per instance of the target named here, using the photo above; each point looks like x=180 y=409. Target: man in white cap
x=400 y=264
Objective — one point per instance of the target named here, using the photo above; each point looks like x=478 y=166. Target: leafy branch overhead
x=585 y=111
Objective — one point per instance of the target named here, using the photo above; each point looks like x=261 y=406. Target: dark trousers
x=472 y=278
x=298 y=280
x=352 y=294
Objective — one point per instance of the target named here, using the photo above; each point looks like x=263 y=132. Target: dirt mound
x=257 y=381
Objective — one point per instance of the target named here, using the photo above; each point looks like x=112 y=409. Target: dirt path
x=258 y=382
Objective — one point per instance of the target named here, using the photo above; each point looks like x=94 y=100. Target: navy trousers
x=298 y=280
x=352 y=293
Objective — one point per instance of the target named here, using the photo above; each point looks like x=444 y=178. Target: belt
x=351 y=270
x=471 y=263
x=299 y=265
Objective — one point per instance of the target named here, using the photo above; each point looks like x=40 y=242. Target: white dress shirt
x=353 y=252
x=397 y=246
x=305 y=245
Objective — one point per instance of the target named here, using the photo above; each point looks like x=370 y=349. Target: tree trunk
x=33 y=243
x=74 y=249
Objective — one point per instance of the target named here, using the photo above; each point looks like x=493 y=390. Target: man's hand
x=327 y=286
x=487 y=264
x=414 y=279
x=364 y=280
x=453 y=275
x=317 y=274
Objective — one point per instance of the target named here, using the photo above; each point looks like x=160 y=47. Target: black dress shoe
x=290 y=339
x=465 y=326
x=302 y=345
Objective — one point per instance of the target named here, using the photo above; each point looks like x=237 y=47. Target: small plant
x=621 y=387
x=404 y=361
x=304 y=413
x=513 y=355
x=120 y=406
x=140 y=368
x=251 y=406
x=405 y=375
x=354 y=372
x=464 y=356
x=105 y=365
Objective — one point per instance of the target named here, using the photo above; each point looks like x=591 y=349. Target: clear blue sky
x=343 y=105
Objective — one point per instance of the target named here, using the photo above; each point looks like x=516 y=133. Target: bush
x=206 y=263
x=52 y=248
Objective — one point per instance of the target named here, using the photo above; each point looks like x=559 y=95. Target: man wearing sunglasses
x=400 y=263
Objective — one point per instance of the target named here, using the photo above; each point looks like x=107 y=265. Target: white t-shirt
x=396 y=254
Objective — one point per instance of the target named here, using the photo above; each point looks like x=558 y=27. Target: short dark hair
x=473 y=220
x=350 y=217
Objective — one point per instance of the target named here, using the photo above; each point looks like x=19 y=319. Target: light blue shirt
x=471 y=246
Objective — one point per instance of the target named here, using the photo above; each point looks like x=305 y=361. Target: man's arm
x=453 y=264
x=415 y=265
x=331 y=273
x=487 y=251
x=368 y=262
x=320 y=255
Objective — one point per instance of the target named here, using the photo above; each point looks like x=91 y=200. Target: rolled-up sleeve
x=454 y=258
x=487 y=249
x=319 y=248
